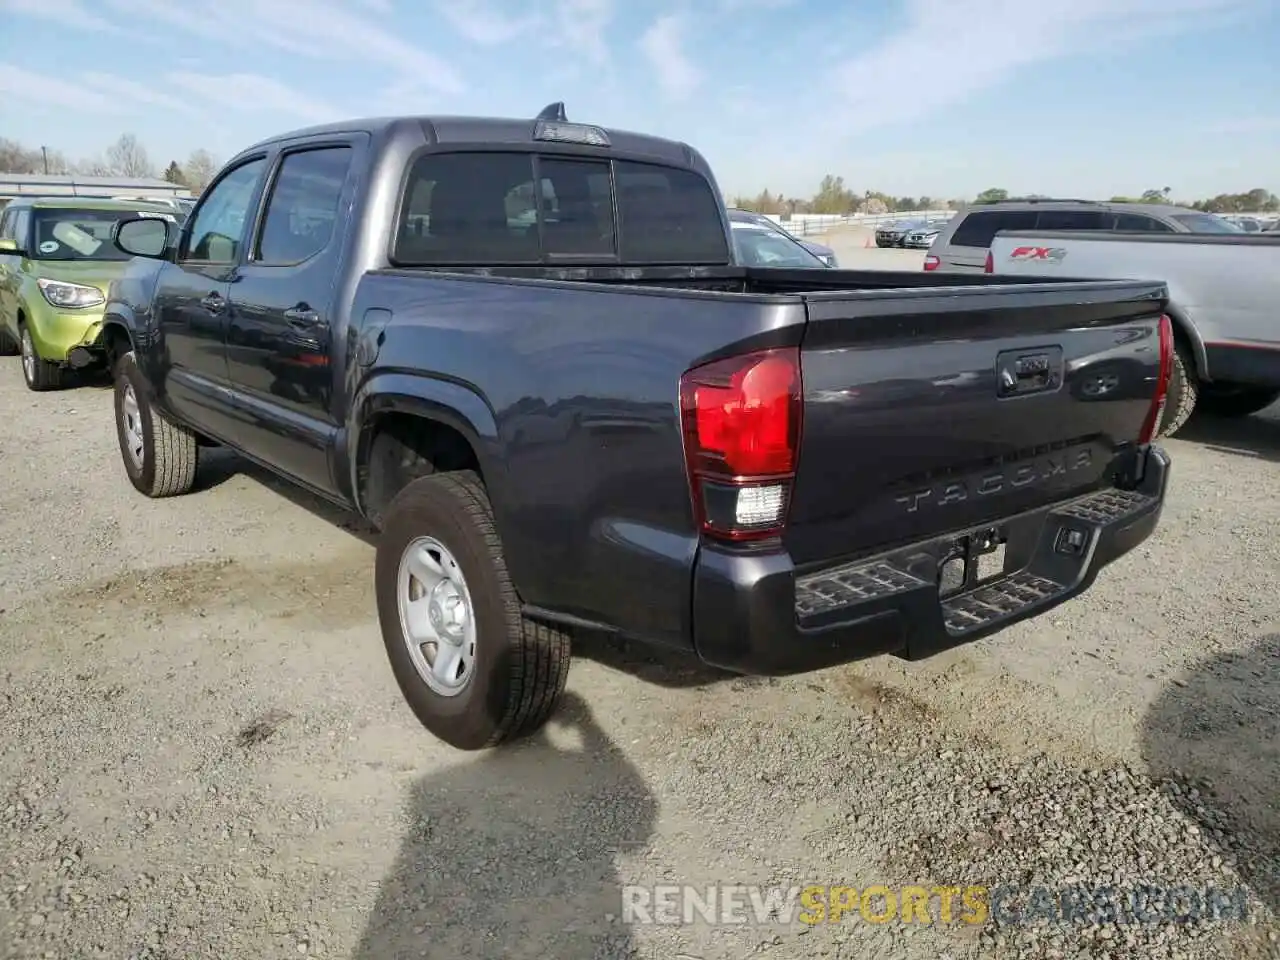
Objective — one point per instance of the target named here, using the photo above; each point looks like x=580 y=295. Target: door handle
x=214 y=302
x=302 y=316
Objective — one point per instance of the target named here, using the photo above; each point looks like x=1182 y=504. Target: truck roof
x=449 y=129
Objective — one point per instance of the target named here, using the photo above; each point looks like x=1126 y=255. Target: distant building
x=13 y=185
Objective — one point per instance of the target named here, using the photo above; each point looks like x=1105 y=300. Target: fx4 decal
x=1053 y=254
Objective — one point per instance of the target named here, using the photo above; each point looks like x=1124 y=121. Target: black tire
x=37 y=373
x=1228 y=401
x=520 y=667
x=1184 y=390
x=8 y=344
x=170 y=454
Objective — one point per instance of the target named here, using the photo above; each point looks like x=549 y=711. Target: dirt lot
x=856 y=250
x=204 y=754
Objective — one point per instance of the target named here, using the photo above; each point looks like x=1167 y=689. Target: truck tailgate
x=944 y=409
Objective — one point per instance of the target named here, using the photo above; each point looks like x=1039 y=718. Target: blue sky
x=938 y=97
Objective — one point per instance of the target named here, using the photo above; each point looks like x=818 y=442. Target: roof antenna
x=553 y=111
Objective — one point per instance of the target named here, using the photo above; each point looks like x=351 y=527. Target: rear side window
x=979 y=229
x=488 y=208
x=303 y=207
x=1070 y=220
x=1136 y=223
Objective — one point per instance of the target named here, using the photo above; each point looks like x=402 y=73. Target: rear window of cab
x=522 y=208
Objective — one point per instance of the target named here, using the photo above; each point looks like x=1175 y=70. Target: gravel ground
x=204 y=753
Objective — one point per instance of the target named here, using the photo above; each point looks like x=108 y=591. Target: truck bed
x=905 y=438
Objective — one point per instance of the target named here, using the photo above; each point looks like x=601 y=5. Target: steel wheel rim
x=132 y=425
x=28 y=356
x=437 y=617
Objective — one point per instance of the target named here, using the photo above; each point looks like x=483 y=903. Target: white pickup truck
x=1224 y=300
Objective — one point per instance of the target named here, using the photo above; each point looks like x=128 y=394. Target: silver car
x=922 y=237
x=962 y=245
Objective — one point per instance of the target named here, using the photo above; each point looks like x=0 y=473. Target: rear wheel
x=38 y=373
x=1227 y=400
x=1184 y=389
x=472 y=668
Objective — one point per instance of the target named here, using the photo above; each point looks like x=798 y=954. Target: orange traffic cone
x=866 y=244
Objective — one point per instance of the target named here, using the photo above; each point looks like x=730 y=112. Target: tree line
x=833 y=197
x=127 y=157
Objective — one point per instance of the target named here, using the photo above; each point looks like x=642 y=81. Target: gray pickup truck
x=523 y=350
x=1224 y=300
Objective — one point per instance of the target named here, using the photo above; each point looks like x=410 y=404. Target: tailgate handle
x=1021 y=372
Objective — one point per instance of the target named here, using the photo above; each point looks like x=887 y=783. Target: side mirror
x=143 y=237
x=11 y=247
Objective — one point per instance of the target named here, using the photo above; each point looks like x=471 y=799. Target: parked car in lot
x=57 y=260
x=924 y=235
x=180 y=207
x=962 y=245
x=758 y=246
x=819 y=250
x=1223 y=291
x=892 y=233
x=600 y=420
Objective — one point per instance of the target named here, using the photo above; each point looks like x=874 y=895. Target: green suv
x=57 y=261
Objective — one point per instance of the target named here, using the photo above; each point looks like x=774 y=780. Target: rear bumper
x=760 y=615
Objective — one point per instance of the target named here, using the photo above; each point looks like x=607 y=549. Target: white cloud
x=479 y=22
x=580 y=25
x=663 y=46
x=119 y=89
x=969 y=47
x=328 y=30
x=251 y=92
x=38 y=90
x=66 y=13
x=748 y=6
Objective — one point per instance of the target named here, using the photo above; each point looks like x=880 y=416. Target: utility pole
x=44 y=152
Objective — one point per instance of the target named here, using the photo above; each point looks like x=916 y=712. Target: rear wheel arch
x=404 y=440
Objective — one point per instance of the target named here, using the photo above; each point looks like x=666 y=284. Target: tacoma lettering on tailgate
x=997 y=480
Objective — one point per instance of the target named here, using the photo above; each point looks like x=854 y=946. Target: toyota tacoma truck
x=1223 y=290
x=523 y=350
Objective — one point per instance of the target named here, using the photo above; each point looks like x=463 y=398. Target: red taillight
x=931 y=262
x=1156 y=413
x=741 y=419
x=990 y=265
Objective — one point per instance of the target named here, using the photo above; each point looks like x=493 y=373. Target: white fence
x=808 y=224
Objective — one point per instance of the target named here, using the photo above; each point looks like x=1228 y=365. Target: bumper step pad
x=824 y=592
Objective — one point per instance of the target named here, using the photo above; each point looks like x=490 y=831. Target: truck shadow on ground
x=659 y=665
x=513 y=854
x=1218 y=730
x=1257 y=436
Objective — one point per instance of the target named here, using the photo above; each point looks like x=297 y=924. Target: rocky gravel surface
x=203 y=753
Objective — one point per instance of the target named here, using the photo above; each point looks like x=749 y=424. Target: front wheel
x=472 y=668
x=1234 y=401
x=39 y=374
x=159 y=456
